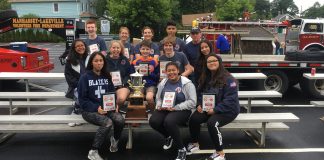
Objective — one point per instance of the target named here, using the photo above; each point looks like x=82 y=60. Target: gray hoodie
x=188 y=90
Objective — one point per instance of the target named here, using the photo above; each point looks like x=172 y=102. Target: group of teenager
x=191 y=70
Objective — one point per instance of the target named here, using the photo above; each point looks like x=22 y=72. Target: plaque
x=144 y=69
x=126 y=53
x=109 y=102
x=168 y=100
x=116 y=78
x=162 y=69
x=208 y=102
x=93 y=48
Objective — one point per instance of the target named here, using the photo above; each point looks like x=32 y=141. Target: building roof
x=283 y=17
x=188 y=18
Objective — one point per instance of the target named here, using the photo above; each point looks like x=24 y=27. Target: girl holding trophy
x=98 y=105
x=218 y=104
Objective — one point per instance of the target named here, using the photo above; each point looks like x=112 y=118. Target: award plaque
x=162 y=69
x=168 y=100
x=144 y=69
x=126 y=53
x=93 y=48
x=116 y=78
x=208 y=102
x=109 y=102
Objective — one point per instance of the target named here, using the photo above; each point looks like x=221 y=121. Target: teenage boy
x=94 y=42
x=171 y=29
x=150 y=72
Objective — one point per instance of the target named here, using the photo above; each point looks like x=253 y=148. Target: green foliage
x=4 y=5
x=136 y=14
x=283 y=6
x=192 y=6
x=315 y=11
x=262 y=9
x=101 y=7
x=231 y=10
x=30 y=15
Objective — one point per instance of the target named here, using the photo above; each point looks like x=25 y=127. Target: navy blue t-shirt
x=192 y=52
x=179 y=58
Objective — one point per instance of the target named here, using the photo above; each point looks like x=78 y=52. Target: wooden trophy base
x=136 y=110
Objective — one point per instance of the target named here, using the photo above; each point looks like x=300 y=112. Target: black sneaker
x=168 y=143
x=181 y=154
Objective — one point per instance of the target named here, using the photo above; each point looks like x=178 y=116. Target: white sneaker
x=168 y=143
x=216 y=156
x=191 y=148
x=94 y=155
x=181 y=154
x=113 y=144
x=72 y=124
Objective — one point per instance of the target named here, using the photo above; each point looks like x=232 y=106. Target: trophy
x=137 y=84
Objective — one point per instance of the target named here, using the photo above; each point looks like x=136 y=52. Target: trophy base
x=136 y=110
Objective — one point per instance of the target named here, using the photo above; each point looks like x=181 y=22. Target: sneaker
x=168 y=143
x=191 y=148
x=74 y=112
x=216 y=156
x=113 y=144
x=72 y=124
x=181 y=154
x=94 y=155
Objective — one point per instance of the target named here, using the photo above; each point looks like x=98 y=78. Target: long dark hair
x=74 y=56
x=103 y=71
x=202 y=57
x=208 y=79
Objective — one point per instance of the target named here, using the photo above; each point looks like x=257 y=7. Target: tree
x=101 y=7
x=262 y=9
x=192 y=7
x=283 y=6
x=231 y=10
x=4 y=5
x=139 y=13
x=313 y=12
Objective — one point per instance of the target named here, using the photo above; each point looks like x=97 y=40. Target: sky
x=306 y=3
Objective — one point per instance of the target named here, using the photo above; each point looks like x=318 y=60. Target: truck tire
x=6 y=14
x=276 y=81
x=312 y=87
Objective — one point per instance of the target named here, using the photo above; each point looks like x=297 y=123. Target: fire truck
x=281 y=73
x=21 y=57
x=305 y=34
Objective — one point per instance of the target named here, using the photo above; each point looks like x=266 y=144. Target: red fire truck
x=20 y=57
x=305 y=34
x=281 y=73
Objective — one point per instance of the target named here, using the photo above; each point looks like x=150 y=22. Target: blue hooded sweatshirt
x=91 y=89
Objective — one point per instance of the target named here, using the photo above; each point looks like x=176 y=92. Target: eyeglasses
x=211 y=61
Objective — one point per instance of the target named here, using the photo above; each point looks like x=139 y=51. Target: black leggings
x=213 y=123
x=105 y=122
x=167 y=123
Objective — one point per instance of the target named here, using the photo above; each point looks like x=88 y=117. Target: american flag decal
x=233 y=84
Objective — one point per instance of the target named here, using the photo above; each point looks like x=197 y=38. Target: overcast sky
x=306 y=3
